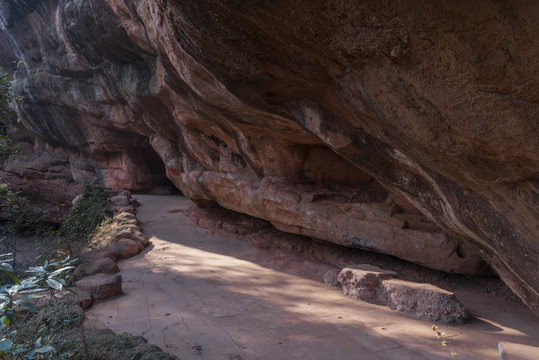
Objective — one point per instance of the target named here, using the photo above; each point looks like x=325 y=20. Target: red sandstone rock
x=127 y=247
x=105 y=266
x=424 y=301
x=119 y=200
x=362 y=282
x=130 y=231
x=125 y=218
x=84 y=299
x=331 y=278
x=328 y=98
x=100 y=286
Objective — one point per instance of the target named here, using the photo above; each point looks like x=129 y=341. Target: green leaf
x=60 y=280
x=19 y=350
x=37 y=343
x=37 y=270
x=44 y=349
x=56 y=272
x=54 y=284
x=6 y=267
x=13 y=277
x=28 y=306
x=32 y=291
x=6 y=344
x=10 y=314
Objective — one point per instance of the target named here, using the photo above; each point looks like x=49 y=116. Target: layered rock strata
x=41 y=172
x=408 y=129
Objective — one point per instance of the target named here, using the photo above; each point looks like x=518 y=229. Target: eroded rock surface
x=407 y=129
x=424 y=301
x=41 y=172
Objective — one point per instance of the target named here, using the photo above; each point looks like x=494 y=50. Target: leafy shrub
x=7 y=97
x=7 y=147
x=86 y=216
x=28 y=324
x=18 y=215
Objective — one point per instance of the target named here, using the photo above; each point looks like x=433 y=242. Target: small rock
x=126 y=218
x=119 y=200
x=424 y=301
x=77 y=273
x=129 y=209
x=133 y=233
x=105 y=266
x=128 y=247
x=361 y=281
x=330 y=278
x=84 y=300
x=100 y=286
x=125 y=193
x=108 y=251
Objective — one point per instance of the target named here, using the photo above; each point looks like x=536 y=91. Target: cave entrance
x=160 y=184
x=164 y=187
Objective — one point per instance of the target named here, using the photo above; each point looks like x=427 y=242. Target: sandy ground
x=204 y=296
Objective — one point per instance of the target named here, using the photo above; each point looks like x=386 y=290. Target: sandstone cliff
x=408 y=128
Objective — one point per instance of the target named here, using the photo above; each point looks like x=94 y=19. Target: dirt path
x=208 y=297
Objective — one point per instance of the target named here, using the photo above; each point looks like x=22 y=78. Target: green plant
x=86 y=216
x=7 y=97
x=27 y=322
x=17 y=213
x=7 y=147
x=440 y=335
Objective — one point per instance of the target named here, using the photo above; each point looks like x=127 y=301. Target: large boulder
x=403 y=128
x=425 y=301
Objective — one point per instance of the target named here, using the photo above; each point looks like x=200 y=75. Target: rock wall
x=42 y=173
x=404 y=128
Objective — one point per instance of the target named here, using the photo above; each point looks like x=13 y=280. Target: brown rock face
x=399 y=127
x=41 y=172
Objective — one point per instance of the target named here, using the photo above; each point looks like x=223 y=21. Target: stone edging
x=98 y=274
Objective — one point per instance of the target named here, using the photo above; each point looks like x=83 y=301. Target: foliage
x=86 y=216
x=25 y=308
x=7 y=146
x=18 y=215
x=7 y=97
